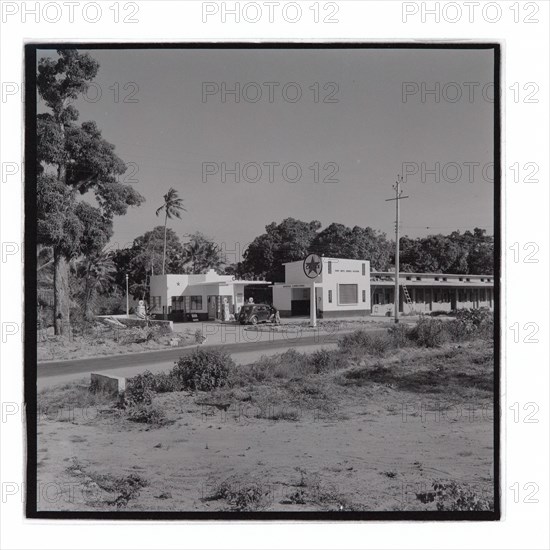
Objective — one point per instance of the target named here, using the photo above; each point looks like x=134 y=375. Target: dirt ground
x=56 y=348
x=375 y=447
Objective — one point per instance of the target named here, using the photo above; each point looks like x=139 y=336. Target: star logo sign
x=312 y=266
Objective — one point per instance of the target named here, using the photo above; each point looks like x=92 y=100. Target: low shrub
x=456 y=497
x=139 y=389
x=203 y=370
x=164 y=383
x=291 y=364
x=478 y=322
x=399 y=335
x=199 y=336
x=362 y=341
x=429 y=332
x=243 y=496
x=146 y=414
x=323 y=360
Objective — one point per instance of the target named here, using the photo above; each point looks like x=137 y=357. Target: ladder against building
x=407 y=296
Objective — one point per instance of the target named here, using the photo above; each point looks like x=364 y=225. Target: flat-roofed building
x=347 y=287
x=430 y=292
x=205 y=296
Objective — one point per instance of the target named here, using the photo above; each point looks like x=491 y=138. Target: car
x=252 y=314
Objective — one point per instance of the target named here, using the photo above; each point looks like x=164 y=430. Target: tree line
x=291 y=240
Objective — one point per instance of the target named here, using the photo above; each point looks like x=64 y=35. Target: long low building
x=347 y=287
x=344 y=288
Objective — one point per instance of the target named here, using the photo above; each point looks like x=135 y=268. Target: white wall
x=167 y=286
x=345 y=272
x=282 y=296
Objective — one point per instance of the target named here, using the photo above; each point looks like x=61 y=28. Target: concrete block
x=106 y=383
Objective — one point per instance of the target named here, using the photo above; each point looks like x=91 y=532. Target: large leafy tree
x=285 y=242
x=455 y=253
x=340 y=241
x=146 y=257
x=291 y=240
x=73 y=160
x=172 y=208
x=202 y=254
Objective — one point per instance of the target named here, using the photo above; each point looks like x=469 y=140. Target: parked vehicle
x=252 y=314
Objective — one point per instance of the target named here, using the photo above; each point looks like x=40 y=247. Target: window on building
x=196 y=303
x=364 y=267
x=330 y=296
x=177 y=303
x=364 y=293
x=154 y=302
x=329 y=266
x=347 y=294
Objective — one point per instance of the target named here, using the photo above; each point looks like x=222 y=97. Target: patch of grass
x=362 y=342
x=450 y=496
x=242 y=496
x=312 y=489
x=146 y=414
x=457 y=372
x=121 y=488
x=77 y=395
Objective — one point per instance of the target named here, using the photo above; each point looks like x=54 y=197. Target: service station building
x=344 y=288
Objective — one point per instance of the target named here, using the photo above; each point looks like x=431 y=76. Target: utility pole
x=398 y=196
x=127 y=299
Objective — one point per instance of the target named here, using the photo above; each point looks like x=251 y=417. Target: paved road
x=64 y=370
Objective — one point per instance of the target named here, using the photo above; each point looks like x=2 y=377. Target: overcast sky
x=367 y=132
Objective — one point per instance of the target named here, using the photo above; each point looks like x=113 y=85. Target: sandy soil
x=57 y=348
x=374 y=451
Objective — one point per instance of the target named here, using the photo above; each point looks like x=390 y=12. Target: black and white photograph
x=262 y=280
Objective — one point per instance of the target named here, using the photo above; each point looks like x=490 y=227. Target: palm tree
x=172 y=206
x=97 y=273
x=203 y=254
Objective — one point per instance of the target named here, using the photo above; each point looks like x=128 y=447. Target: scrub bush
x=203 y=370
x=399 y=335
x=146 y=414
x=429 y=333
x=362 y=341
x=456 y=497
x=139 y=389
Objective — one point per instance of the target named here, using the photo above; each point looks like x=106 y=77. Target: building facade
x=342 y=289
x=430 y=292
x=347 y=287
x=201 y=297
